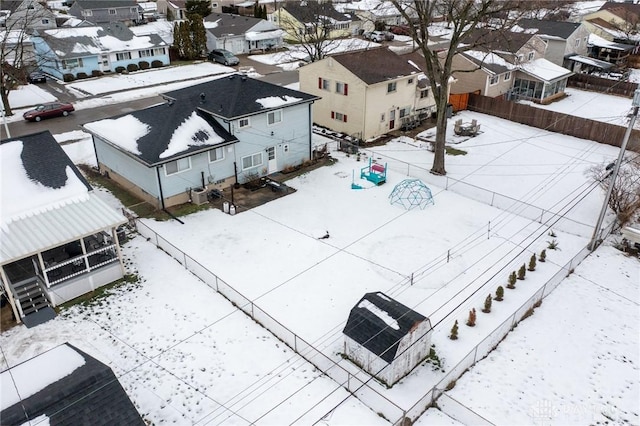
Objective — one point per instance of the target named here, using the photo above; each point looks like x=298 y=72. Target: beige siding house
x=368 y=93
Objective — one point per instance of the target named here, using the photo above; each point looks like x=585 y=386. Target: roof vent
x=202 y=96
x=243 y=78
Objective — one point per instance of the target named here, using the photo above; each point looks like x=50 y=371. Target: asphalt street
x=58 y=125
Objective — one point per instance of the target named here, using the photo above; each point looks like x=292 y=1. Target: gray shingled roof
x=497 y=41
x=163 y=120
x=489 y=66
x=375 y=65
x=369 y=330
x=550 y=28
x=105 y=4
x=90 y=395
x=71 y=45
x=235 y=96
x=231 y=24
x=45 y=161
x=308 y=13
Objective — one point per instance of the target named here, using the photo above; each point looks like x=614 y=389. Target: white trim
x=253 y=166
x=219 y=150
x=273 y=113
x=166 y=173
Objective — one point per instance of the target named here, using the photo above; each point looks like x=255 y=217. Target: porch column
x=7 y=288
x=85 y=258
x=42 y=268
x=114 y=236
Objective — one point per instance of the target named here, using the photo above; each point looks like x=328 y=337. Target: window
x=250 y=161
x=123 y=56
x=45 y=22
x=216 y=155
x=494 y=80
x=71 y=63
x=531 y=56
x=158 y=51
x=342 y=88
x=507 y=76
x=243 y=122
x=177 y=166
x=338 y=116
x=112 y=11
x=274 y=117
x=391 y=87
x=424 y=93
x=577 y=42
x=324 y=84
x=87 y=12
x=382 y=117
x=146 y=53
x=134 y=10
x=214 y=5
x=520 y=58
x=404 y=112
x=410 y=81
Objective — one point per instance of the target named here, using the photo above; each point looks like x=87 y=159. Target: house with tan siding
x=366 y=94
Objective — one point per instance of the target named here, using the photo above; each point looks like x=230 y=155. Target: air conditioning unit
x=199 y=196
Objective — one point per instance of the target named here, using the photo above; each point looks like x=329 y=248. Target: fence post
x=184 y=255
x=493 y=196
x=448 y=253
x=489 y=230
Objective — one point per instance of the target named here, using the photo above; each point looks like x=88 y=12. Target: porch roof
x=30 y=234
x=545 y=70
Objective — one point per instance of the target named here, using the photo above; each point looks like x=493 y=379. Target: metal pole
x=596 y=232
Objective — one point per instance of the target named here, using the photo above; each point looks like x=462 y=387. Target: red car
x=400 y=30
x=51 y=109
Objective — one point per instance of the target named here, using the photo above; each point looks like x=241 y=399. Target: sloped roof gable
x=375 y=65
x=550 y=28
x=379 y=323
x=105 y=4
x=226 y=23
x=308 y=14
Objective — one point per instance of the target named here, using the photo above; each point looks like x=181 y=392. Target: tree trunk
x=4 y=95
x=441 y=137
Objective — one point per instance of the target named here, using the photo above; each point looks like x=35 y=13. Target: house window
x=338 y=116
x=112 y=11
x=123 y=56
x=577 y=42
x=177 y=166
x=243 y=122
x=520 y=58
x=274 y=117
x=71 y=63
x=404 y=112
x=251 y=161
x=424 y=93
x=146 y=53
x=45 y=22
x=391 y=87
x=216 y=155
x=382 y=117
x=410 y=81
x=214 y=5
x=324 y=84
x=87 y=12
x=158 y=51
x=342 y=88
x=134 y=10
x=531 y=56
x=507 y=76
x=494 y=80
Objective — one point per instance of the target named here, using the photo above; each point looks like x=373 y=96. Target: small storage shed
x=386 y=338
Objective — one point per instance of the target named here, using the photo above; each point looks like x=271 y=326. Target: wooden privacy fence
x=603 y=85
x=557 y=122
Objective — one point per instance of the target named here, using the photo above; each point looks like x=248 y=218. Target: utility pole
x=613 y=175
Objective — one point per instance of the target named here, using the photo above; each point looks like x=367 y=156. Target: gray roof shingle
x=105 y=4
x=375 y=65
x=369 y=330
x=231 y=24
x=550 y=28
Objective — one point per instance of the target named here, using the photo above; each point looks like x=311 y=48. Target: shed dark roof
x=371 y=331
x=231 y=24
x=105 y=4
x=45 y=161
x=308 y=13
x=163 y=120
x=236 y=96
x=550 y=28
x=90 y=395
x=375 y=65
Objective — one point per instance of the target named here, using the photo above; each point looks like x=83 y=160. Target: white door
x=104 y=63
x=272 y=162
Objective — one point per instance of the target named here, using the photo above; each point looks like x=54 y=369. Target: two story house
x=241 y=34
x=367 y=93
x=372 y=13
x=27 y=15
x=211 y=135
x=69 y=53
x=106 y=11
x=298 y=19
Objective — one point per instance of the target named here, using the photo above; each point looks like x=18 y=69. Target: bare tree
x=314 y=26
x=625 y=194
x=460 y=19
x=17 y=57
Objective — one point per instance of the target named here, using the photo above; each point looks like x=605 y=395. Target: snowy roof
x=375 y=65
x=544 y=70
x=378 y=323
x=591 y=61
x=45 y=201
x=308 y=14
x=237 y=96
x=105 y=4
x=559 y=29
x=596 y=40
x=220 y=24
x=162 y=133
x=79 y=390
x=491 y=62
x=87 y=41
x=264 y=35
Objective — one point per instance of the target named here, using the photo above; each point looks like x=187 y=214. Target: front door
x=104 y=63
x=272 y=162
x=392 y=119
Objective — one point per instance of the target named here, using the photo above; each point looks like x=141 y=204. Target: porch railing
x=79 y=265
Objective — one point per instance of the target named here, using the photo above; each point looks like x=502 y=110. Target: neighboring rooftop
x=558 y=29
x=375 y=65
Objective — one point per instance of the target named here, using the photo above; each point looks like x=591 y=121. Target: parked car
x=36 y=77
x=223 y=57
x=379 y=36
x=400 y=30
x=51 y=109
